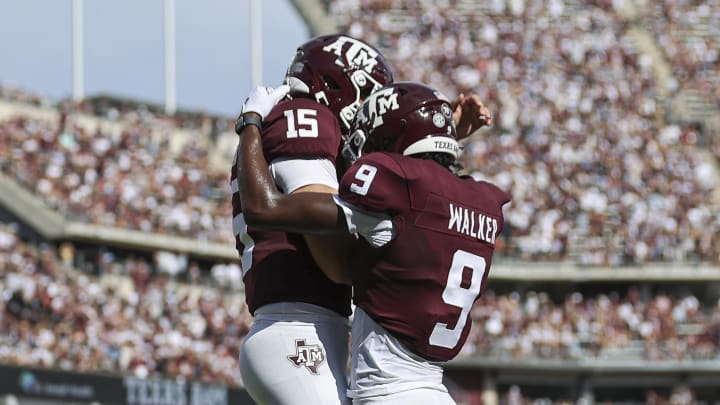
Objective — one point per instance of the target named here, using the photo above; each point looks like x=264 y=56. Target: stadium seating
x=597 y=174
x=606 y=325
x=604 y=170
x=125 y=173
x=137 y=319
x=133 y=319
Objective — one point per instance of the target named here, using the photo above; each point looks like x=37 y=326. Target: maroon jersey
x=277 y=266
x=420 y=286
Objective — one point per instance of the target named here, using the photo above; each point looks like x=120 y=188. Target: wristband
x=245 y=120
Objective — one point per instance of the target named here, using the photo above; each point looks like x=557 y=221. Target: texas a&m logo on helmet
x=403 y=117
x=358 y=55
x=378 y=104
x=338 y=71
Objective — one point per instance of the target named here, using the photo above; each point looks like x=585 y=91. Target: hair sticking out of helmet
x=407 y=118
x=338 y=71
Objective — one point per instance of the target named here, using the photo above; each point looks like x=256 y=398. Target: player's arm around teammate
x=296 y=351
x=266 y=207
x=411 y=182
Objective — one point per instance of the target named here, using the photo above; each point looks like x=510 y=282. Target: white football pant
x=384 y=371
x=416 y=396
x=296 y=353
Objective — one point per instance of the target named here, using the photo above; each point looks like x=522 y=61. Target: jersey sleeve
x=376 y=228
x=375 y=183
x=292 y=174
x=301 y=129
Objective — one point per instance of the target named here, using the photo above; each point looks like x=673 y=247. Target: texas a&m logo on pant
x=310 y=356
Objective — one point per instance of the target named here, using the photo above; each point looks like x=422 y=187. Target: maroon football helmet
x=338 y=71
x=404 y=117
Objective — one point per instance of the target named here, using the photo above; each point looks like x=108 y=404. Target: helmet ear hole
x=386 y=144
x=330 y=83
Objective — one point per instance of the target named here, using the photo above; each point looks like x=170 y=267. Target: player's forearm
x=264 y=206
x=258 y=193
x=313 y=213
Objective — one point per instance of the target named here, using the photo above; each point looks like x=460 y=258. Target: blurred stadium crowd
x=678 y=395
x=127 y=178
x=136 y=318
x=133 y=319
x=595 y=170
x=599 y=175
x=532 y=325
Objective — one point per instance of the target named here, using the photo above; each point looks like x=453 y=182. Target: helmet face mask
x=338 y=71
x=353 y=146
x=364 y=85
x=406 y=118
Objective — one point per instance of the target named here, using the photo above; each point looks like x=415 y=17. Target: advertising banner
x=108 y=389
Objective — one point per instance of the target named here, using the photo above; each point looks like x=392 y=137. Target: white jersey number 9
x=365 y=175
x=456 y=295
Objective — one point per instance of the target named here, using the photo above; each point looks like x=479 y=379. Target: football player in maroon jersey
x=428 y=237
x=297 y=349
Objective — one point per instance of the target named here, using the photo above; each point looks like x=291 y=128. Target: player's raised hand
x=470 y=115
x=262 y=99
